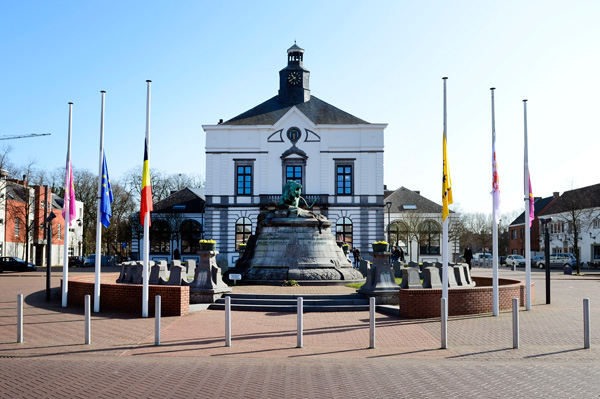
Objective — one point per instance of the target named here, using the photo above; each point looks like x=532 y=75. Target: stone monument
x=291 y=243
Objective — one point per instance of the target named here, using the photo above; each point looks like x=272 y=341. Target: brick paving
x=263 y=361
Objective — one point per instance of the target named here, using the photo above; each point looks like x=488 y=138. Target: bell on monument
x=291 y=243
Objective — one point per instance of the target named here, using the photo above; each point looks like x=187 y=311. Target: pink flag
x=69 y=192
x=531 y=204
x=495 y=180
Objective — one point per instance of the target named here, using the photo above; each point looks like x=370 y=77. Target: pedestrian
x=176 y=254
x=468 y=256
x=356 y=255
x=401 y=255
x=396 y=255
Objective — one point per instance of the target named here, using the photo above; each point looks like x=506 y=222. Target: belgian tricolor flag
x=146 y=205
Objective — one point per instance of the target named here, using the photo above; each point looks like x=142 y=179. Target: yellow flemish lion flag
x=446 y=184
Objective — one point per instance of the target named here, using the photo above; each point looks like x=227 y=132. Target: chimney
x=556 y=194
x=25 y=180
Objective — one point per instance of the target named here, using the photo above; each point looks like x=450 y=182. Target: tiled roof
x=581 y=198
x=403 y=196
x=318 y=111
x=182 y=201
x=538 y=205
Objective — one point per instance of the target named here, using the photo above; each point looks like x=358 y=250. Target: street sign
x=235 y=277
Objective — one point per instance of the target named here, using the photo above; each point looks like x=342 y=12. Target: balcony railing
x=319 y=200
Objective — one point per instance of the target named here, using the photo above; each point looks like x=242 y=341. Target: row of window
x=244 y=177
x=161 y=237
x=18 y=228
x=428 y=235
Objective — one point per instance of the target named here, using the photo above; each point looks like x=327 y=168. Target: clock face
x=294 y=78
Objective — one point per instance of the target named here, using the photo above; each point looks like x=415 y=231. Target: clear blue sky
x=380 y=60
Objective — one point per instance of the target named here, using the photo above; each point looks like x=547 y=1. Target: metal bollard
x=88 y=321
x=586 y=323
x=20 y=318
x=372 y=323
x=228 y=321
x=157 y=312
x=515 y=309
x=444 y=310
x=299 y=306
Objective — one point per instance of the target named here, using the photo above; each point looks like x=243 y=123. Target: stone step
x=294 y=296
x=292 y=302
x=290 y=308
x=287 y=303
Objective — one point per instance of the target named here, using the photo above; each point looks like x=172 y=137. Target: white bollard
x=444 y=310
x=300 y=339
x=586 y=323
x=515 y=309
x=228 y=321
x=88 y=321
x=372 y=323
x=157 y=312
x=20 y=318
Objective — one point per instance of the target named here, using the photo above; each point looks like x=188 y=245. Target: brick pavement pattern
x=193 y=362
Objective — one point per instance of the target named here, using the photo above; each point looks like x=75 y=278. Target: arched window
x=243 y=230
x=343 y=230
x=429 y=238
x=399 y=234
x=160 y=237
x=191 y=232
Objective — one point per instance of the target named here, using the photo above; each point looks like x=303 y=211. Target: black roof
x=538 y=206
x=182 y=201
x=318 y=111
x=404 y=196
x=581 y=198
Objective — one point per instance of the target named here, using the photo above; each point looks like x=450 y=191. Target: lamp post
x=547 y=253
x=389 y=207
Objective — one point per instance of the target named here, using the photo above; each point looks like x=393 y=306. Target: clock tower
x=293 y=79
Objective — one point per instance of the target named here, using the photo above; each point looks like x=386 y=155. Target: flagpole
x=494 y=217
x=66 y=207
x=445 y=225
x=146 y=243
x=526 y=191
x=99 y=213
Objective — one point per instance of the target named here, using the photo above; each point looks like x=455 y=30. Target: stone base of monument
x=207 y=286
x=294 y=244
x=381 y=283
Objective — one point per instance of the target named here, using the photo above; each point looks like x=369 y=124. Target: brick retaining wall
x=175 y=300
x=425 y=303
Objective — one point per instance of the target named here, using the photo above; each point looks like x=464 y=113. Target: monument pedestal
x=208 y=286
x=381 y=283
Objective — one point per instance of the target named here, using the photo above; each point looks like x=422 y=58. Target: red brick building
x=516 y=229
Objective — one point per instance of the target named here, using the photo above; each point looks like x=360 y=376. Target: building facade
x=23 y=210
x=337 y=157
x=516 y=230
x=176 y=227
x=575 y=217
x=414 y=223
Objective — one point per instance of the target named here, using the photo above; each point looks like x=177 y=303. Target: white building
x=581 y=207
x=337 y=157
x=415 y=225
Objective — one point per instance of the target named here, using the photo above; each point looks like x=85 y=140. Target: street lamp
x=389 y=206
x=547 y=251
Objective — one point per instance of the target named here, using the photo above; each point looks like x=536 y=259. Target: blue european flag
x=107 y=195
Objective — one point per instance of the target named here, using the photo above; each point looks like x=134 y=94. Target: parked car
x=537 y=259
x=516 y=260
x=15 y=264
x=480 y=255
x=106 y=260
x=559 y=260
x=76 y=261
